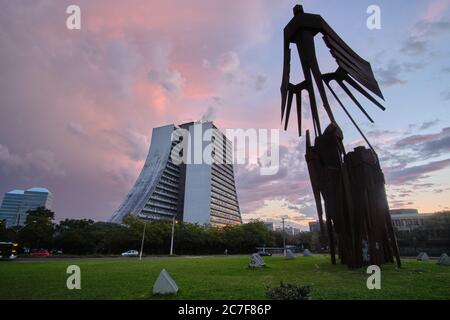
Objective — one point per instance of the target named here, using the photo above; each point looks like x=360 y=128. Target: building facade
x=288 y=230
x=269 y=225
x=314 y=226
x=17 y=203
x=179 y=181
x=407 y=219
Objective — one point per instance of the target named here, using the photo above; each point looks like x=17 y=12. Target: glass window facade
x=17 y=203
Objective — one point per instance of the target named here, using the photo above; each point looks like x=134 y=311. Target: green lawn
x=217 y=278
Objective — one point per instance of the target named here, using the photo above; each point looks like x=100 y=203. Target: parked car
x=130 y=253
x=40 y=253
x=265 y=253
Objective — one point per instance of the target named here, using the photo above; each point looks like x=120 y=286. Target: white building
x=407 y=219
x=178 y=180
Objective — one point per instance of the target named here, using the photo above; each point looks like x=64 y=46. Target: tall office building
x=17 y=203
x=178 y=180
x=314 y=226
x=270 y=226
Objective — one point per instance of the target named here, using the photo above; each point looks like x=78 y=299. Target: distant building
x=292 y=231
x=314 y=226
x=203 y=193
x=407 y=219
x=288 y=230
x=17 y=203
x=403 y=211
x=270 y=226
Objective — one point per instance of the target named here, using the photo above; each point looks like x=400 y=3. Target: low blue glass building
x=17 y=203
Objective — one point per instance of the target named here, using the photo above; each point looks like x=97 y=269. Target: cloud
x=169 y=80
x=37 y=163
x=229 y=62
x=412 y=174
x=439 y=146
x=230 y=65
x=285 y=193
x=414 y=46
x=429 y=124
x=161 y=72
x=75 y=128
x=427 y=145
x=423 y=32
x=261 y=81
x=436 y=8
x=123 y=61
x=206 y=64
x=210 y=114
x=391 y=74
x=415 y=127
x=9 y=161
x=446 y=95
x=134 y=144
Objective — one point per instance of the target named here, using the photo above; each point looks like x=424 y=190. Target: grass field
x=217 y=278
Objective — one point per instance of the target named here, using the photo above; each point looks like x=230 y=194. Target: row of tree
x=89 y=237
x=432 y=236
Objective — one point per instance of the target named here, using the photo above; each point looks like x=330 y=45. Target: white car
x=130 y=253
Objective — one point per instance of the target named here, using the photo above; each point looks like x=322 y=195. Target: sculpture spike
x=289 y=105
x=298 y=97
x=350 y=94
x=349 y=116
x=355 y=85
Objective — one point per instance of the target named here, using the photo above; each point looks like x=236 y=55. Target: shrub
x=289 y=291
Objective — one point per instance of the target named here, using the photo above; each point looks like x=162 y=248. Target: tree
x=438 y=221
x=432 y=235
x=3 y=231
x=111 y=238
x=437 y=229
x=38 y=230
x=75 y=236
x=89 y=237
x=246 y=237
x=191 y=238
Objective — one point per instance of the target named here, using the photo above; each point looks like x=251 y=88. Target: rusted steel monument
x=351 y=184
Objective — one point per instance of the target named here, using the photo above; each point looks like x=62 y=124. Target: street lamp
x=284 y=238
x=142 y=243
x=171 y=240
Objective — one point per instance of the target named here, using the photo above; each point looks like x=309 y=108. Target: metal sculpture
x=351 y=184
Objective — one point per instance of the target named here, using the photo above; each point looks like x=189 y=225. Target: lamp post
x=171 y=240
x=142 y=243
x=284 y=238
